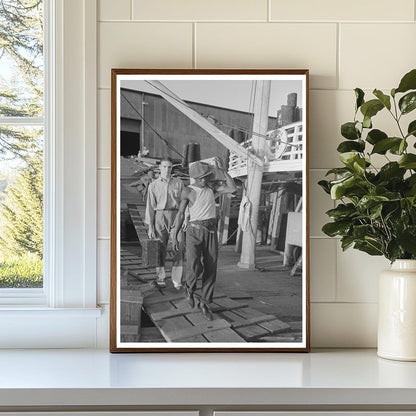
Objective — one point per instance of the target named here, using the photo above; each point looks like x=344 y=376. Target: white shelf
x=56 y=378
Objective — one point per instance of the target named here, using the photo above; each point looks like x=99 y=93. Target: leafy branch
x=376 y=211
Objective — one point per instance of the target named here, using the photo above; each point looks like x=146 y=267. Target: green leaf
x=342 y=211
x=338 y=171
x=346 y=242
x=367 y=122
x=349 y=131
x=348 y=158
x=368 y=248
x=375 y=136
x=398 y=149
x=408 y=161
x=408 y=102
x=411 y=130
x=408 y=82
x=375 y=212
x=336 y=228
x=383 y=145
x=350 y=146
x=338 y=189
x=361 y=231
x=385 y=99
x=407 y=240
x=391 y=170
x=325 y=186
x=359 y=95
x=371 y=108
x=369 y=201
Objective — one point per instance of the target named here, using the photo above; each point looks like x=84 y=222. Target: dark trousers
x=202 y=255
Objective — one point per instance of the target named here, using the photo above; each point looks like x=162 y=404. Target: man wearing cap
x=201 y=234
x=163 y=199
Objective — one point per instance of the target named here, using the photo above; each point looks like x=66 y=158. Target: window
x=22 y=132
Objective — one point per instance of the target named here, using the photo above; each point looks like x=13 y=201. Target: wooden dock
x=234 y=321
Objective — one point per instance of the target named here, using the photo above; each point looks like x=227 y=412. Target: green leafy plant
x=376 y=212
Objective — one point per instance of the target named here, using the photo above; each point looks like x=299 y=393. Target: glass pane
x=21 y=58
x=21 y=207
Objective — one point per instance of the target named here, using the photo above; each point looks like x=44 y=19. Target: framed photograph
x=209 y=213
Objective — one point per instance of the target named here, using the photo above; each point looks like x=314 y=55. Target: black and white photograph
x=209 y=232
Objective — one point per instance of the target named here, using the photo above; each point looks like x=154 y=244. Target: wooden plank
x=221 y=335
x=275 y=326
x=226 y=304
x=279 y=339
x=249 y=313
x=174 y=296
x=252 y=321
x=131 y=296
x=170 y=327
x=224 y=335
x=201 y=329
x=152 y=300
x=151 y=334
x=129 y=330
x=171 y=312
x=252 y=332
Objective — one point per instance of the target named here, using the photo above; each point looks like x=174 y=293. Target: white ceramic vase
x=397 y=312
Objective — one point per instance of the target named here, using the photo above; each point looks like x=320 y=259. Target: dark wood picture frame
x=261 y=303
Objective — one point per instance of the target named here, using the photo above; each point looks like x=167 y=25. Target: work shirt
x=204 y=206
x=163 y=194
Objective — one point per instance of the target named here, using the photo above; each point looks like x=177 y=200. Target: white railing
x=284 y=151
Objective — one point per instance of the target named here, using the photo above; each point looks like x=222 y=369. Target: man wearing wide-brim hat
x=201 y=234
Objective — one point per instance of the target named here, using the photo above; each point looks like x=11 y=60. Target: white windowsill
x=36 y=312
x=334 y=378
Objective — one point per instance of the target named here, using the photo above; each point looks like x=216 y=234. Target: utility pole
x=255 y=172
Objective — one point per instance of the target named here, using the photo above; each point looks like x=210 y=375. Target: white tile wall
x=272 y=45
x=104 y=202
x=142 y=45
x=345 y=44
x=322 y=269
x=114 y=10
x=319 y=202
x=200 y=10
x=376 y=55
x=104 y=128
x=357 y=10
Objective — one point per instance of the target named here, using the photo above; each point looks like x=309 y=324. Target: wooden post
x=226 y=218
x=255 y=172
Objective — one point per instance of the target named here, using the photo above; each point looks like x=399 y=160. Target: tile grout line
x=269 y=11
x=338 y=65
x=131 y=9
x=254 y=21
x=194 y=61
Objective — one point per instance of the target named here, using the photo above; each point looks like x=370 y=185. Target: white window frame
x=64 y=313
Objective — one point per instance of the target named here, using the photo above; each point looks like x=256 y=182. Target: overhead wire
x=249 y=131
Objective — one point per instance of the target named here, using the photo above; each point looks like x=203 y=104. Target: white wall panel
x=357 y=275
x=200 y=10
x=104 y=202
x=319 y=203
x=323 y=269
x=343 y=325
x=369 y=10
x=272 y=45
x=142 y=45
x=376 y=55
x=114 y=10
x=104 y=128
